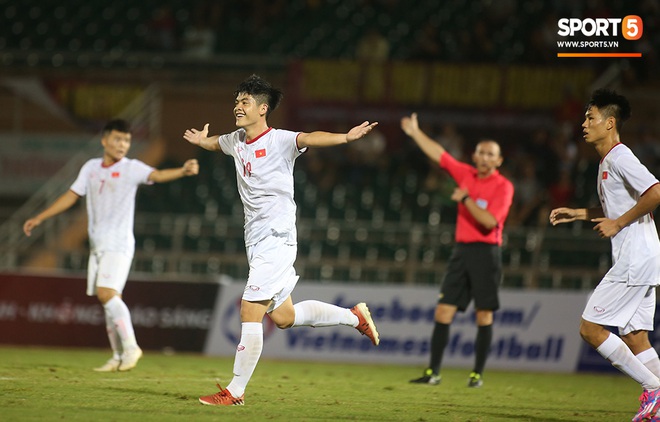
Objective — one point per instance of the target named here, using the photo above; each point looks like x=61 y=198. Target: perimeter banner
x=533 y=331
x=50 y=310
x=536 y=331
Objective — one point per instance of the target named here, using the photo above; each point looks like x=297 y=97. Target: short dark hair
x=119 y=125
x=262 y=91
x=611 y=104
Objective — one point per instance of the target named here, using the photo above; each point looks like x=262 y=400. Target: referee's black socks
x=482 y=346
x=439 y=341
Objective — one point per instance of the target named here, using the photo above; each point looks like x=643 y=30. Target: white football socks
x=314 y=313
x=113 y=335
x=616 y=351
x=247 y=356
x=649 y=358
x=121 y=317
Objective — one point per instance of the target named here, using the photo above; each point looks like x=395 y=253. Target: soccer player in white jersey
x=625 y=297
x=264 y=159
x=110 y=184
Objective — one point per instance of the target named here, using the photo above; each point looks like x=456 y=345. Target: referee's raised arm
x=430 y=147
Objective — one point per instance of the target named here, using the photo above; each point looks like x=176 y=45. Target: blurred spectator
x=321 y=172
x=646 y=147
x=543 y=155
x=439 y=182
x=483 y=46
x=370 y=149
x=266 y=11
x=536 y=51
x=427 y=45
x=198 y=39
x=372 y=47
x=561 y=192
x=161 y=30
x=566 y=111
x=452 y=141
x=597 y=9
x=199 y=36
x=564 y=149
x=500 y=11
x=529 y=197
x=465 y=46
x=549 y=35
x=366 y=157
x=542 y=42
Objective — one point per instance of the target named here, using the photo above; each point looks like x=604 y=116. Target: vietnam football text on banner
x=535 y=331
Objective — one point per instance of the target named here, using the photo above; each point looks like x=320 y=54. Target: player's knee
x=444 y=314
x=584 y=331
x=104 y=295
x=283 y=325
x=584 y=334
x=282 y=320
x=590 y=333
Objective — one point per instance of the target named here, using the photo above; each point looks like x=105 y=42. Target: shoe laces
x=643 y=397
x=224 y=395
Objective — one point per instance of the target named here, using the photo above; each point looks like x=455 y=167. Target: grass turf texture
x=43 y=384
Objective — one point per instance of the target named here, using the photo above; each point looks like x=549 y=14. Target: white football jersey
x=110 y=193
x=264 y=169
x=622 y=179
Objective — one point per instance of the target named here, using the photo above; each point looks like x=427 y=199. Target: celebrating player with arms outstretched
x=264 y=158
x=110 y=184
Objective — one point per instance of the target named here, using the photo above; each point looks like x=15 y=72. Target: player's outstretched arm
x=568 y=215
x=431 y=148
x=189 y=168
x=201 y=138
x=61 y=204
x=328 y=139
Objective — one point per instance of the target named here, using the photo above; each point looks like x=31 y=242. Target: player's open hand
x=360 y=131
x=562 y=215
x=191 y=167
x=410 y=124
x=195 y=136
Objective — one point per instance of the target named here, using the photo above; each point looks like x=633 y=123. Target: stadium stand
x=387 y=227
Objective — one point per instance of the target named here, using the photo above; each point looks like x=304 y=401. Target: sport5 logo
x=632 y=27
x=231 y=323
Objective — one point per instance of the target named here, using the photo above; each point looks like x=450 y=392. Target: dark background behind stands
x=376 y=210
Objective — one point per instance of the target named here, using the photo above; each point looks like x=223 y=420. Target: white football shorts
x=109 y=270
x=272 y=276
x=630 y=308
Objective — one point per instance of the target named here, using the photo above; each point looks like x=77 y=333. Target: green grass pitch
x=46 y=384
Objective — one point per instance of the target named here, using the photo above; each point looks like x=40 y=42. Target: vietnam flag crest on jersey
x=260 y=153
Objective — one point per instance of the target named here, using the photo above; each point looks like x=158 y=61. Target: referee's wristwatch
x=463 y=199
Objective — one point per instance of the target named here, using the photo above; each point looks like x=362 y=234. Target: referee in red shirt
x=474 y=270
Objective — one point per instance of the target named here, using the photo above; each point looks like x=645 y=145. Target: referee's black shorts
x=474 y=271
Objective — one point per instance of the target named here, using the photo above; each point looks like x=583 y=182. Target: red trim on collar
x=258 y=137
x=614 y=146
x=105 y=166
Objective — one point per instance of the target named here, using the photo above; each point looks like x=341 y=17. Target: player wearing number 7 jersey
x=264 y=159
x=110 y=184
